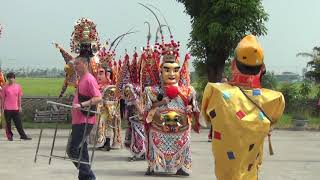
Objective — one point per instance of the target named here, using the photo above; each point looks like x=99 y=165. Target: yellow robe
x=239 y=127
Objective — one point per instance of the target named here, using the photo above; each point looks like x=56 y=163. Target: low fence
x=32 y=103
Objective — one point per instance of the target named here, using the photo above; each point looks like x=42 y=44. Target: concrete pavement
x=296 y=158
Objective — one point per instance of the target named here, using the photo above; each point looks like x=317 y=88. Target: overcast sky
x=31 y=25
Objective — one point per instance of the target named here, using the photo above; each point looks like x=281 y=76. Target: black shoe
x=107 y=145
x=10 y=139
x=143 y=157
x=132 y=158
x=149 y=172
x=26 y=138
x=181 y=172
x=106 y=148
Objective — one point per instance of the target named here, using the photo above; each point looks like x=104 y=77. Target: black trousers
x=74 y=146
x=122 y=107
x=15 y=116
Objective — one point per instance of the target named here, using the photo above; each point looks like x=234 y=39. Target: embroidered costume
x=169 y=103
x=129 y=84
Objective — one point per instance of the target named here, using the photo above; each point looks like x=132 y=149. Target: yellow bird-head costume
x=241 y=113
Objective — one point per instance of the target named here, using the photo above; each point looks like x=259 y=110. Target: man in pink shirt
x=11 y=101
x=86 y=95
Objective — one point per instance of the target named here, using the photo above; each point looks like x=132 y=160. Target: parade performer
x=86 y=38
x=241 y=114
x=169 y=105
x=109 y=126
x=129 y=84
x=135 y=134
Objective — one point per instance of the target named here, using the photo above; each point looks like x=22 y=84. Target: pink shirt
x=10 y=96
x=87 y=86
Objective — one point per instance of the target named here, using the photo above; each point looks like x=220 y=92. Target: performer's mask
x=101 y=76
x=109 y=93
x=247 y=66
x=170 y=73
x=127 y=92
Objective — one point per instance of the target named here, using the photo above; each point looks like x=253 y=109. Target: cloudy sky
x=31 y=26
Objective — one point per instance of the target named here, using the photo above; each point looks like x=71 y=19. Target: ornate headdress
x=129 y=77
x=106 y=57
x=124 y=73
x=135 y=69
x=150 y=64
x=85 y=36
x=169 y=52
x=185 y=72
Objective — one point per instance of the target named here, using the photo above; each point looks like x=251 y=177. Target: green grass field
x=42 y=86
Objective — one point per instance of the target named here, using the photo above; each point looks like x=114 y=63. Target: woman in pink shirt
x=11 y=103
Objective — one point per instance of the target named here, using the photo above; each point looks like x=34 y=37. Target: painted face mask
x=101 y=76
x=170 y=73
x=127 y=92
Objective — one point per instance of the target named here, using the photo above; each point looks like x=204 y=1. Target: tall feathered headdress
x=124 y=74
x=149 y=64
x=106 y=56
x=135 y=68
x=168 y=52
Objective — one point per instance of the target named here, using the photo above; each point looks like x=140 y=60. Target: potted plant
x=300 y=119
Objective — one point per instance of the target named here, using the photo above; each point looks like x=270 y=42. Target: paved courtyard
x=297 y=157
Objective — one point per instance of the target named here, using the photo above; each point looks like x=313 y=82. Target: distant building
x=288 y=77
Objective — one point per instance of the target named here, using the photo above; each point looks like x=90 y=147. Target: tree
x=217 y=27
x=313 y=66
x=269 y=80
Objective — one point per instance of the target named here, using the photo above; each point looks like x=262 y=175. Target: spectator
x=11 y=103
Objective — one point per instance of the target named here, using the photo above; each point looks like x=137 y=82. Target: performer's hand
x=196 y=127
x=136 y=102
x=20 y=109
x=189 y=109
x=166 y=100
x=270 y=131
x=56 y=45
x=76 y=106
